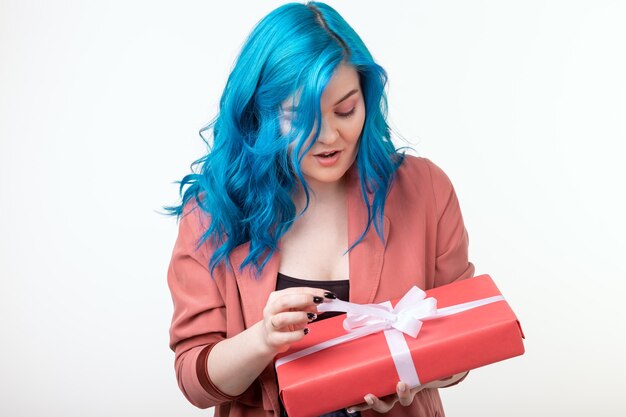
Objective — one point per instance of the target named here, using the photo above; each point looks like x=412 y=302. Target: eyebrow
x=351 y=92
x=347 y=95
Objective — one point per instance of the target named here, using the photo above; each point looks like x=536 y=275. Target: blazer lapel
x=366 y=259
x=254 y=292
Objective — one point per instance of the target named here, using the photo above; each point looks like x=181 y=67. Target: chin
x=325 y=175
x=326 y=179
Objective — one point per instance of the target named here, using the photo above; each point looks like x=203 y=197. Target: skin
x=314 y=246
x=343 y=116
x=246 y=354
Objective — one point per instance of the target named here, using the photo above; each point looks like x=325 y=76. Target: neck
x=320 y=194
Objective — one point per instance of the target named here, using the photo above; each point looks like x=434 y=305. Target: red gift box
x=341 y=375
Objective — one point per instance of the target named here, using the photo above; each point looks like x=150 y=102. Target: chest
x=314 y=248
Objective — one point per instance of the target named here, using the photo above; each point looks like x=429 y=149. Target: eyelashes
x=348 y=114
x=288 y=117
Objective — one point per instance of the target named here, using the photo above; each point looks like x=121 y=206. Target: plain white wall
x=523 y=104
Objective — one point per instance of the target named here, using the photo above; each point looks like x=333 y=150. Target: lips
x=326 y=153
x=328 y=161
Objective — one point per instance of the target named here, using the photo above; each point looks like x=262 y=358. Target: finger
x=293 y=320
x=371 y=402
x=358 y=407
x=405 y=395
x=320 y=292
x=304 y=290
x=286 y=337
x=294 y=302
x=377 y=404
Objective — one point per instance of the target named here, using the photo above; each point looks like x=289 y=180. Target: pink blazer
x=426 y=245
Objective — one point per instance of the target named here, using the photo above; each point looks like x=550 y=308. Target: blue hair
x=246 y=180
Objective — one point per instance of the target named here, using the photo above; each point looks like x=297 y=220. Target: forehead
x=344 y=79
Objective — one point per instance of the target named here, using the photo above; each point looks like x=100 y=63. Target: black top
x=341 y=288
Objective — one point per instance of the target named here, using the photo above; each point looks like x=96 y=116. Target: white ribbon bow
x=406 y=316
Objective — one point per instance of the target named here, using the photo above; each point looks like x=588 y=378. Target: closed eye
x=348 y=114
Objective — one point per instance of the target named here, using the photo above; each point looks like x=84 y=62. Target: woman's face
x=343 y=116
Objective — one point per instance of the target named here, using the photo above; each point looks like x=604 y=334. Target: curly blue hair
x=245 y=181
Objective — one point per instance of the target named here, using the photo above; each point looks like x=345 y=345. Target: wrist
x=265 y=349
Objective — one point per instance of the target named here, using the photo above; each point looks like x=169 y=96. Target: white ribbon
x=406 y=317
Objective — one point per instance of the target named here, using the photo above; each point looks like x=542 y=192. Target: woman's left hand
x=403 y=394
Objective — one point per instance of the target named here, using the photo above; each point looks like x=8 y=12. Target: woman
x=302 y=198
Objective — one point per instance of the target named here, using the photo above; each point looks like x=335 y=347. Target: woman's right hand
x=287 y=313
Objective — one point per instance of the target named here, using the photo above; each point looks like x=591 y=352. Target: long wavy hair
x=246 y=180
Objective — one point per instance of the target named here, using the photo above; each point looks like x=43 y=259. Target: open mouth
x=327 y=155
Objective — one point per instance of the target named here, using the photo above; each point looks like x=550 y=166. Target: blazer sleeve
x=451 y=263
x=199 y=317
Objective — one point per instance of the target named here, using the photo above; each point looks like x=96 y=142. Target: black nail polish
x=311 y=316
x=330 y=295
x=317 y=300
x=306 y=331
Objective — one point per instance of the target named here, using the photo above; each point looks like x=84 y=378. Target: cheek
x=356 y=127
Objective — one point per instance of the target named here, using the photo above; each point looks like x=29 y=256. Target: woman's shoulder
x=194 y=221
x=422 y=172
x=193 y=213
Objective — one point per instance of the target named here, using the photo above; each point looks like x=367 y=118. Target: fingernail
x=351 y=410
x=401 y=387
x=306 y=331
x=368 y=400
x=317 y=300
x=311 y=316
x=330 y=295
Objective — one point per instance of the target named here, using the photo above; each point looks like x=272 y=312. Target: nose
x=328 y=133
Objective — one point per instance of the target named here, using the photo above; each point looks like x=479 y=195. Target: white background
x=523 y=104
